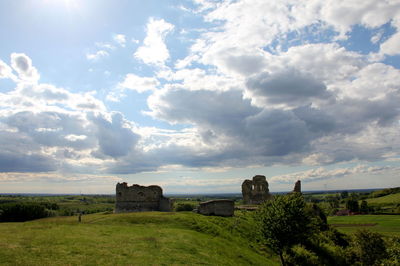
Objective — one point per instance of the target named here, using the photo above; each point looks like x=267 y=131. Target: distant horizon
x=190 y=194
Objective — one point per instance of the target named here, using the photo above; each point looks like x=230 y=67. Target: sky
x=197 y=96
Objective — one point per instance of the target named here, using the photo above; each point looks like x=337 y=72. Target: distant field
x=151 y=238
x=388 y=199
x=388 y=225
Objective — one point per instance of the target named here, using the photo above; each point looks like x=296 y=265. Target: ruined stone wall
x=255 y=191
x=140 y=198
x=221 y=207
x=297 y=186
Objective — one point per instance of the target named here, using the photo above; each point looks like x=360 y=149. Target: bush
x=180 y=207
x=22 y=211
x=299 y=256
x=393 y=252
x=368 y=248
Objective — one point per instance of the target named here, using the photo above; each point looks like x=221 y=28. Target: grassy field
x=388 y=199
x=151 y=238
x=388 y=225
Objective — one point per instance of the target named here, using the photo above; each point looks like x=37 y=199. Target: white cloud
x=139 y=84
x=392 y=45
x=6 y=71
x=154 y=50
x=97 y=55
x=22 y=64
x=120 y=39
x=323 y=173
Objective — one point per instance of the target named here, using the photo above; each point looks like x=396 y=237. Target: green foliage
x=179 y=207
x=344 y=194
x=384 y=192
x=20 y=212
x=317 y=217
x=352 y=205
x=283 y=222
x=393 y=252
x=298 y=255
x=368 y=247
x=364 y=207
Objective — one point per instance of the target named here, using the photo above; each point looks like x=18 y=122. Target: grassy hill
x=388 y=199
x=151 y=238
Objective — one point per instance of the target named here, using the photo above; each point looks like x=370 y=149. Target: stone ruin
x=222 y=207
x=297 y=186
x=255 y=191
x=138 y=198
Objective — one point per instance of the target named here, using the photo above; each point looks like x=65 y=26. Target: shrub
x=22 y=211
x=299 y=256
x=368 y=247
x=184 y=207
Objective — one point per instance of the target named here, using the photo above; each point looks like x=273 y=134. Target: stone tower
x=255 y=191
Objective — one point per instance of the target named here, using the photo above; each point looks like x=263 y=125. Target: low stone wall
x=222 y=207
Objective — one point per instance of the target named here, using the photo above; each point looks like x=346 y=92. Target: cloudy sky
x=197 y=96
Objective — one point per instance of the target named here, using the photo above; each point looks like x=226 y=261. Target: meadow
x=150 y=238
x=387 y=225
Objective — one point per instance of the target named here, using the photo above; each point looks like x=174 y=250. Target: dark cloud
x=276 y=133
x=18 y=153
x=10 y=162
x=289 y=87
x=52 y=128
x=115 y=139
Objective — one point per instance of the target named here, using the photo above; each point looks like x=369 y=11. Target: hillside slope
x=388 y=199
x=151 y=238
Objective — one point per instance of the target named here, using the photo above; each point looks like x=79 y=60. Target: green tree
x=369 y=247
x=344 y=194
x=364 y=207
x=352 y=205
x=284 y=222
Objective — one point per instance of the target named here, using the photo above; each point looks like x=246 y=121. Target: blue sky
x=197 y=96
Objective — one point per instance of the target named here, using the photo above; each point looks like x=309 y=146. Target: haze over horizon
x=196 y=96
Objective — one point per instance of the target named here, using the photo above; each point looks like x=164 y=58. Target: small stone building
x=138 y=198
x=222 y=207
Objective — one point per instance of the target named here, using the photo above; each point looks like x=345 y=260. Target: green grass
x=150 y=238
x=388 y=225
x=388 y=199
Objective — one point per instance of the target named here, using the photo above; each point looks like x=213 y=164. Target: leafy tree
x=352 y=205
x=344 y=194
x=393 y=252
x=364 y=207
x=284 y=222
x=369 y=247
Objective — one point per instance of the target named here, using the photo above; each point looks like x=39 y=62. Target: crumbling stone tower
x=255 y=191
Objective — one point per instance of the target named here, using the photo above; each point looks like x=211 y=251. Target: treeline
x=25 y=211
x=355 y=202
x=384 y=192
